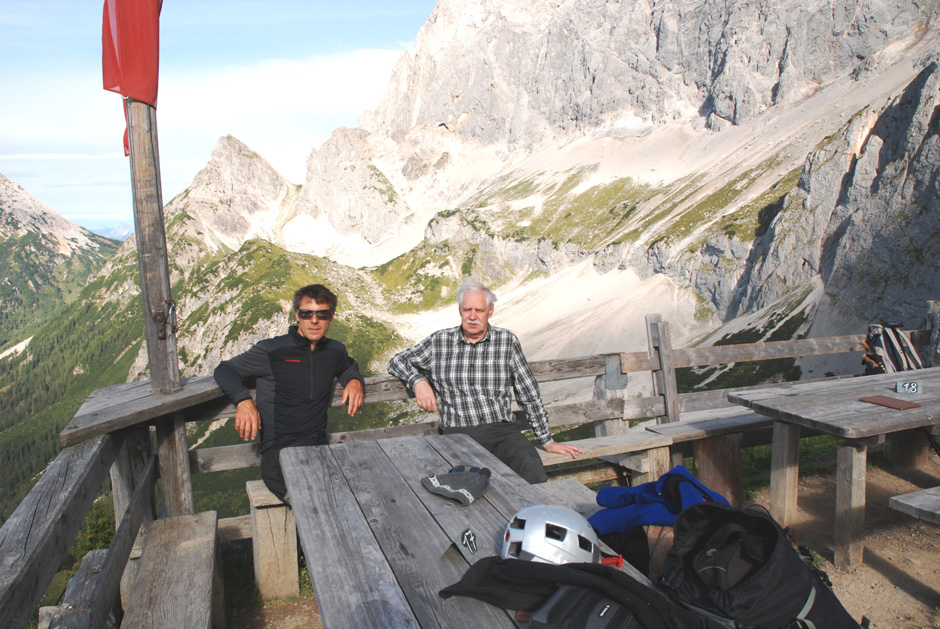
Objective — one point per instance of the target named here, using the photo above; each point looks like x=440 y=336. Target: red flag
x=130 y=49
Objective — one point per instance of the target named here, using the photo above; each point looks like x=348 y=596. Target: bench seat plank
x=177 y=579
x=594 y=447
x=923 y=504
x=701 y=425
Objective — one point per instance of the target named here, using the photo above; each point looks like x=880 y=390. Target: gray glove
x=463 y=484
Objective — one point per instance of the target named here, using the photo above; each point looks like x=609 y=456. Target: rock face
x=21 y=214
x=515 y=72
x=490 y=81
x=865 y=216
x=348 y=191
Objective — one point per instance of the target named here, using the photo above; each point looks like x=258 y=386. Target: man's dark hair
x=318 y=293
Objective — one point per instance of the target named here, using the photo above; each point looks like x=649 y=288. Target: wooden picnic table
x=835 y=408
x=379 y=547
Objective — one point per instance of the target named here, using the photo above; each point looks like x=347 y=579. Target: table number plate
x=909 y=386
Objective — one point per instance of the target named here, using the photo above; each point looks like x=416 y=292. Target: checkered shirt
x=474 y=382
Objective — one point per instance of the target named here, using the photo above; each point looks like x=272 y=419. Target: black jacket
x=294 y=384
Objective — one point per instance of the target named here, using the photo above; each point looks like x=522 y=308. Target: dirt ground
x=279 y=614
x=897 y=586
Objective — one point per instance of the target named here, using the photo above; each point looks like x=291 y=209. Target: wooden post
x=784 y=472
x=174 y=466
x=907 y=448
x=158 y=305
x=127 y=472
x=610 y=386
x=851 y=459
x=718 y=465
x=664 y=379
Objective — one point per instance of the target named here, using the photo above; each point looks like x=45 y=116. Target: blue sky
x=279 y=75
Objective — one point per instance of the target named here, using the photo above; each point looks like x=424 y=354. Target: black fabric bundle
x=525 y=585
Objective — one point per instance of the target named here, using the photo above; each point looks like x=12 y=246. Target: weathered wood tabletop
x=835 y=408
x=379 y=546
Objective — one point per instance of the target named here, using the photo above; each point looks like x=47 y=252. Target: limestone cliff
x=752 y=153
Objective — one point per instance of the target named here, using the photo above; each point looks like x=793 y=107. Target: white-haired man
x=467 y=375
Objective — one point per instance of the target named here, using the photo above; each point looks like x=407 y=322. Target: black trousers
x=271 y=472
x=505 y=441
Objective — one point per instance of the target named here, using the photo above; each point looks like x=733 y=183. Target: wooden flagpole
x=158 y=305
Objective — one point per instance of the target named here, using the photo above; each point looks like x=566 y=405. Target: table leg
x=784 y=472
x=852 y=457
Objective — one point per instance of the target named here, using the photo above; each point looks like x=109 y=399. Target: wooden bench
x=627 y=443
x=79 y=594
x=923 y=504
x=717 y=438
x=273 y=543
x=178 y=582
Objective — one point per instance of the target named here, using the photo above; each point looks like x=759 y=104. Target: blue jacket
x=657 y=502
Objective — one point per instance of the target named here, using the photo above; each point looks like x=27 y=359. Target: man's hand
x=560 y=448
x=247 y=419
x=424 y=396
x=352 y=394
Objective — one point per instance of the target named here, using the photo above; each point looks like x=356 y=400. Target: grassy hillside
x=227 y=301
x=38 y=281
x=85 y=348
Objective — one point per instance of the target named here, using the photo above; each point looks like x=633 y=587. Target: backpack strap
x=801 y=622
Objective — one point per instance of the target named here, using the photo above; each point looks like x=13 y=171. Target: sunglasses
x=322 y=315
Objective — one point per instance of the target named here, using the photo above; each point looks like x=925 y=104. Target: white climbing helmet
x=550 y=534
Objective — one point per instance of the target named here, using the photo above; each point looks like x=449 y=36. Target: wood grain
x=37 y=535
x=176 y=577
x=352 y=580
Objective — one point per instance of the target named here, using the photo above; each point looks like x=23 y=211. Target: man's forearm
x=401 y=368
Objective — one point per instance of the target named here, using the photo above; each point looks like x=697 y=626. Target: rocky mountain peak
x=236 y=197
x=21 y=214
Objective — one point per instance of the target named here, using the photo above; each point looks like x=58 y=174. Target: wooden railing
x=110 y=433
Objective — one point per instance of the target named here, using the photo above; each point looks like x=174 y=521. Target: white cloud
x=280 y=108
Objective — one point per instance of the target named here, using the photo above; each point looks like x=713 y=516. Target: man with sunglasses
x=294 y=376
x=468 y=374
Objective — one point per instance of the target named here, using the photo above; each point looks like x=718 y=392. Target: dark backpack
x=737 y=567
